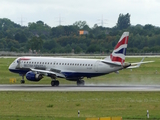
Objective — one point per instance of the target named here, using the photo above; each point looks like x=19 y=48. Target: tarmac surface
x=40 y=87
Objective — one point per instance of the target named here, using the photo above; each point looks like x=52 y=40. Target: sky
x=67 y=12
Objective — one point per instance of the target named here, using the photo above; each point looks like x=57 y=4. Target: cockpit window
x=18 y=61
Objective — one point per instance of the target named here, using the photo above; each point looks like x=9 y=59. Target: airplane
x=73 y=69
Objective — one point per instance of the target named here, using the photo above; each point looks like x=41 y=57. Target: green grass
x=65 y=105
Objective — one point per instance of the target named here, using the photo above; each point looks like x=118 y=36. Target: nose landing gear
x=22 y=81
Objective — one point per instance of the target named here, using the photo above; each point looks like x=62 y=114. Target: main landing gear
x=22 y=81
x=55 y=83
x=80 y=82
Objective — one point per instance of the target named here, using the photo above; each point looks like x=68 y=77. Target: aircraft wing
x=48 y=72
x=138 y=64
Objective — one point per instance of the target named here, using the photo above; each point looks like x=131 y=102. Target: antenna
x=21 y=21
x=102 y=21
x=60 y=20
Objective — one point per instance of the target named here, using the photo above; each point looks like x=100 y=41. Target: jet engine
x=31 y=76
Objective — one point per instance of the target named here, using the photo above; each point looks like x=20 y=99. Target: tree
x=68 y=48
x=123 y=21
x=20 y=37
x=1 y=46
x=36 y=43
x=49 y=45
x=80 y=24
x=40 y=22
x=77 y=49
x=92 y=49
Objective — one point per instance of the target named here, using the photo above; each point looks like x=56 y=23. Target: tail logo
x=119 y=52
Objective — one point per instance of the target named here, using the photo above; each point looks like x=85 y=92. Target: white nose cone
x=10 y=67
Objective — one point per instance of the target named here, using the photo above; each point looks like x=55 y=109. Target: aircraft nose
x=11 y=67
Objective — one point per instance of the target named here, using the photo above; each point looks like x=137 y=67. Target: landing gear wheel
x=22 y=81
x=80 y=82
x=52 y=83
x=55 y=83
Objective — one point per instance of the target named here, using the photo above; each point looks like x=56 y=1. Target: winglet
x=138 y=65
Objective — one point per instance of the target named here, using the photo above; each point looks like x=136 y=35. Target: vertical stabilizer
x=119 y=52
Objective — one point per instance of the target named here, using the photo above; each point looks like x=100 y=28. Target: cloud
x=141 y=11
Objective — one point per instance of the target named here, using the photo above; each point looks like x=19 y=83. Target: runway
x=38 y=87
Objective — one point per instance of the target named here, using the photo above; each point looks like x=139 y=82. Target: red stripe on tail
x=117 y=59
x=123 y=41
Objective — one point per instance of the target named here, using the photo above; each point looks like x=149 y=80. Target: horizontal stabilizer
x=141 y=62
x=111 y=63
x=136 y=65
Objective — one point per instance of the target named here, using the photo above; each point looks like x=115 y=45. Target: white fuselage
x=64 y=67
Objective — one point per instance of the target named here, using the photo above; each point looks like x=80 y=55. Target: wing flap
x=42 y=71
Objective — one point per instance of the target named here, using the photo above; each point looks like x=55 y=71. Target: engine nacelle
x=31 y=76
